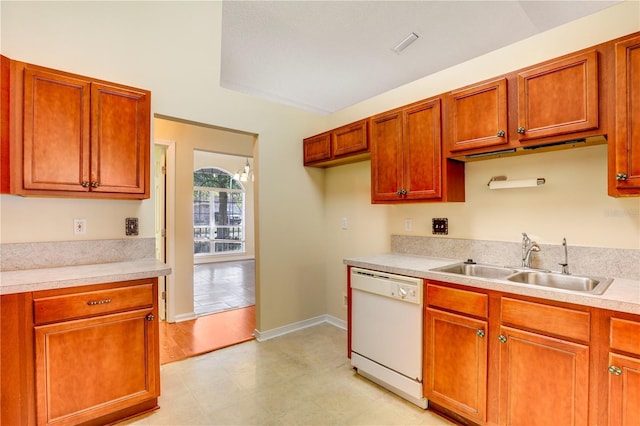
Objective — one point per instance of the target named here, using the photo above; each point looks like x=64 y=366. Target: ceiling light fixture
x=405 y=42
x=245 y=173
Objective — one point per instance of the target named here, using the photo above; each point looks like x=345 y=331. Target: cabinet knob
x=401 y=192
x=615 y=370
x=150 y=317
x=501 y=134
x=95 y=184
x=521 y=130
x=85 y=184
x=621 y=176
x=502 y=338
x=480 y=332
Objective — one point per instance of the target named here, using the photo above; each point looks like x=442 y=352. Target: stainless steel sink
x=475 y=270
x=593 y=285
x=582 y=284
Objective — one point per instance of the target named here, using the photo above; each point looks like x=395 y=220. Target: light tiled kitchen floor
x=222 y=286
x=302 y=378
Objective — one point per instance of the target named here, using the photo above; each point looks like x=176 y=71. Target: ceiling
x=323 y=56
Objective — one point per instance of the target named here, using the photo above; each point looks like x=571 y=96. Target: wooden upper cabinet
x=478 y=116
x=406 y=153
x=625 y=177
x=558 y=98
x=119 y=139
x=56 y=131
x=79 y=137
x=346 y=144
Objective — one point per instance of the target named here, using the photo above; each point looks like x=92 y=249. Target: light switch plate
x=131 y=226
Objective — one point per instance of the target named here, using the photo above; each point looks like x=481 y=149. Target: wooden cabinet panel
x=547 y=319
x=478 y=116
x=456 y=363
x=119 y=140
x=350 y=139
x=91 y=367
x=558 y=98
x=626 y=172
x=624 y=390
x=386 y=156
x=317 y=148
x=91 y=303
x=542 y=378
x=625 y=335
x=463 y=301
x=56 y=131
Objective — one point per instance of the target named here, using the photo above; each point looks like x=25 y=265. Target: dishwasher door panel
x=388 y=331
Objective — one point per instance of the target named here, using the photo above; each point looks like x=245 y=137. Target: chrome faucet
x=565 y=265
x=528 y=247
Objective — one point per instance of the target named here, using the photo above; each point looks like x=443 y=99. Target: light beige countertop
x=70 y=276
x=622 y=295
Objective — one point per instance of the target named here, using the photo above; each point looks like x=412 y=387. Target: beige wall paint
x=573 y=204
x=173 y=49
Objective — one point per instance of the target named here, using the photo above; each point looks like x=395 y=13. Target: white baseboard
x=261 y=336
x=185 y=317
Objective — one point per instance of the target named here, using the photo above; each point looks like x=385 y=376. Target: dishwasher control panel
x=408 y=289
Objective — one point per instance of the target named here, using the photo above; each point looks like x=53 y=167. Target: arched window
x=218 y=213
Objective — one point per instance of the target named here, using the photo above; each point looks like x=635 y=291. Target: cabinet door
x=542 y=380
x=478 y=116
x=56 y=131
x=350 y=139
x=456 y=363
x=558 y=98
x=422 y=160
x=627 y=147
x=119 y=140
x=624 y=390
x=92 y=367
x=386 y=157
x=317 y=148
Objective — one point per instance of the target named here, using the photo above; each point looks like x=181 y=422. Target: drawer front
x=68 y=306
x=546 y=319
x=625 y=335
x=466 y=302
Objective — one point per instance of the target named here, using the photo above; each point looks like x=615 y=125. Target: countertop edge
x=623 y=295
x=22 y=281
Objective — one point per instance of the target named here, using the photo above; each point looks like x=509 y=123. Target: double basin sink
x=583 y=284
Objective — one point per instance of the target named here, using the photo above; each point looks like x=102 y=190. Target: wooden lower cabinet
x=543 y=380
x=87 y=355
x=456 y=363
x=624 y=390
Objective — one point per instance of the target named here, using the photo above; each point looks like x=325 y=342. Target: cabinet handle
x=85 y=184
x=95 y=184
x=521 y=130
x=501 y=134
x=621 y=176
x=401 y=192
x=480 y=332
x=98 y=302
x=502 y=338
x=150 y=317
x=615 y=370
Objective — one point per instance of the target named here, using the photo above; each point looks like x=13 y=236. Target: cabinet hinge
x=164 y=295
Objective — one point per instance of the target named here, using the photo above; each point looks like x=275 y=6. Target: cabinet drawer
x=546 y=319
x=625 y=335
x=466 y=302
x=77 y=305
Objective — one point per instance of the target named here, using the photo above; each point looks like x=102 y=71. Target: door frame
x=170 y=230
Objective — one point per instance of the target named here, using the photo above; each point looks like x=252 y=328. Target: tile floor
x=221 y=286
x=302 y=378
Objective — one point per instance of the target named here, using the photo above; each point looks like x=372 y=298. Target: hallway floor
x=301 y=378
x=222 y=286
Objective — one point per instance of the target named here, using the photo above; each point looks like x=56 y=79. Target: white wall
x=173 y=49
x=573 y=204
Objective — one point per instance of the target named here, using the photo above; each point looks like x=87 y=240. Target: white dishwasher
x=386 y=331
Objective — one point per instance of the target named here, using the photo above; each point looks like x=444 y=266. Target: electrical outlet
x=79 y=226
x=131 y=226
x=440 y=226
x=408 y=224
x=344 y=223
